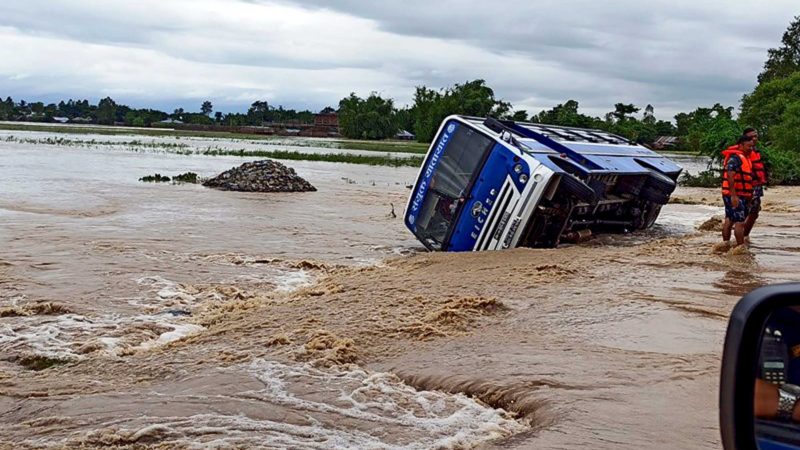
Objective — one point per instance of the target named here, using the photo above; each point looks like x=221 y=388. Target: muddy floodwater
x=142 y=315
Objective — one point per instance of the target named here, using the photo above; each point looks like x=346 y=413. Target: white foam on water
x=178 y=332
x=332 y=409
x=292 y=281
x=51 y=336
x=402 y=404
x=167 y=292
x=62 y=336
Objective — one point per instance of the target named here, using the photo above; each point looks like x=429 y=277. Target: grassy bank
x=708 y=178
x=344 y=144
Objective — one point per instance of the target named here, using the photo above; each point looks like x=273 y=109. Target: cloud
x=674 y=55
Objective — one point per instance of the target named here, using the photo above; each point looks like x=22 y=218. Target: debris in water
x=260 y=176
x=712 y=224
x=739 y=250
x=721 y=247
x=34 y=309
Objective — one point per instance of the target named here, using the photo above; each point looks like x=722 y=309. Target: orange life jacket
x=759 y=172
x=743 y=178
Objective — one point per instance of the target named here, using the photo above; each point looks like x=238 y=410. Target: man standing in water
x=759 y=181
x=737 y=188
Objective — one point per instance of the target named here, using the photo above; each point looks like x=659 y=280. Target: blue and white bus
x=488 y=184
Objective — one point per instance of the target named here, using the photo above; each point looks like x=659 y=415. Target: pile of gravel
x=260 y=176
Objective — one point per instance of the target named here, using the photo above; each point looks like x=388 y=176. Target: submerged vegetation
x=188 y=177
x=185 y=149
x=157 y=178
x=344 y=144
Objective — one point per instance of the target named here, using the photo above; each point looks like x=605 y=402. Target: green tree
x=765 y=107
x=218 y=116
x=473 y=98
x=786 y=134
x=426 y=119
x=197 y=119
x=784 y=60
x=7 y=109
x=520 y=116
x=566 y=115
x=405 y=119
x=697 y=125
x=106 y=111
x=257 y=113
x=370 y=118
x=206 y=107
x=37 y=108
x=623 y=111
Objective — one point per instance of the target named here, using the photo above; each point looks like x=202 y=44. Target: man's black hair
x=743 y=139
x=748 y=130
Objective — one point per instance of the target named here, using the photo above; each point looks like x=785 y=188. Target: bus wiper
x=508 y=137
x=506 y=134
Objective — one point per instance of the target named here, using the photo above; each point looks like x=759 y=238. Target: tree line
x=109 y=112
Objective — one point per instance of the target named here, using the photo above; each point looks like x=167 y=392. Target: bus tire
x=578 y=189
x=654 y=195
x=660 y=182
x=648 y=216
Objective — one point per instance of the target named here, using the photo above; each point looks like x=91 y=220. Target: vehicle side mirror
x=759 y=397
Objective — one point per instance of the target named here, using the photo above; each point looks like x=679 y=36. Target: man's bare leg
x=738 y=232
x=749 y=222
x=727 y=225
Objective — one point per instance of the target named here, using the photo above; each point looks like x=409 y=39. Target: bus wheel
x=659 y=181
x=578 y=189
x=653 y=194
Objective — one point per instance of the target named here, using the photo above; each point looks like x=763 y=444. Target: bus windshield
x=459 y=164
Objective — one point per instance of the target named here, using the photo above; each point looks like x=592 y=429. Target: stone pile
x=260 y=176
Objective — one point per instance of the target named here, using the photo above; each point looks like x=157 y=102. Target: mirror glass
x=777 y=385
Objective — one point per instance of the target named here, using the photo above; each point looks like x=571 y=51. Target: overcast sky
x=676 y=55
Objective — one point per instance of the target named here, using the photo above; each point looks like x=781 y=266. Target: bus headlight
x=523 y=178
x=518 y=168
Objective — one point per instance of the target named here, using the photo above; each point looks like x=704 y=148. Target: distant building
x=405 y=136
x=61 y=119
x=326 y=120
x=171 y=121
x=665 y=142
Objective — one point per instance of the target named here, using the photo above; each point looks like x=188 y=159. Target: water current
x=136 y=314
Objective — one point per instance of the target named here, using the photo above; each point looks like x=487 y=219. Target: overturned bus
x=488 y=184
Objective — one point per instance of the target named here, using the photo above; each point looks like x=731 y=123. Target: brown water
x=182 y=316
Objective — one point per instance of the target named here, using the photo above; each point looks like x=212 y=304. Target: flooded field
x=187 y=144
x=175 y=316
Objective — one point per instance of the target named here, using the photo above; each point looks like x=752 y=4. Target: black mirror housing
x=740 y=361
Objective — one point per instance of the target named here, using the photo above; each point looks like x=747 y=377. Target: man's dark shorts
x=755 y=202
x=739 y=213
